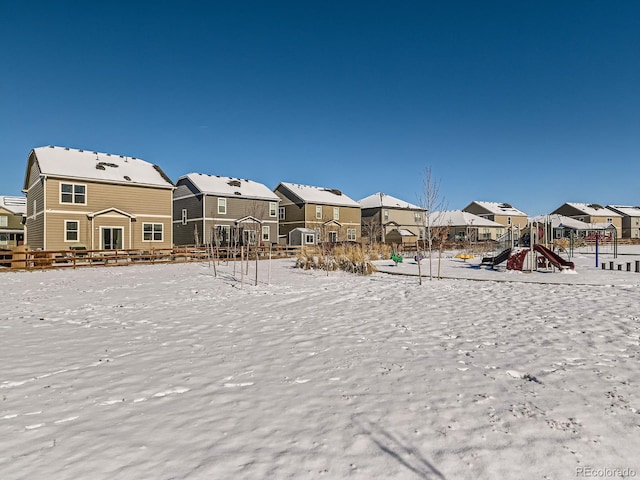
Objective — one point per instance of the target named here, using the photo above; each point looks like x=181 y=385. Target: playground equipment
x=497 y=259
x=396 y=258
x=516 y=261
x=465 y=256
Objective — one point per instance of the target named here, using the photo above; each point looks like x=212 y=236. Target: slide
x=555 y=259
x=497 y=260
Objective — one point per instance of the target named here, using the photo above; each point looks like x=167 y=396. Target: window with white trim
x=222 y=206
x=4 y=220
x=71 y=230
x=73 y=193
x=609 y=220
x=152 y=232
x=281 y=213
x=4 y=239
x=309 y=238
x=417 y=217
x=351 y=234
x=318 y=211
x=332 y=236
x=222 y=234
x=273 y=209
x=385 y=215
x=184 y=216
x=336 y=213
x=265 y=233
x=508 y=220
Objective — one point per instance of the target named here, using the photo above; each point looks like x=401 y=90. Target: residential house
x=464 y=226
x=330 y=213
x=502 y=213
x=388 y=219
x=556 y=226
x=12 y=210
x=86 y=199
x=592 y=213
x=630 y=220
x=223 y=211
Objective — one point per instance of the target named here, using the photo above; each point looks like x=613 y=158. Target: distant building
x=12 y=210
x=223 y=211
x=99 y=201
x=391 y=220
x=465 y=226
x=502 y=213
x=592 y=213
x=334 y=216
x=630 y=220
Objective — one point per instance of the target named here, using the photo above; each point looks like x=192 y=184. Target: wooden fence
x=49 y=259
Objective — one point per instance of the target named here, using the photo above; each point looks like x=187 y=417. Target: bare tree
x=372 y=229
x=432 y=201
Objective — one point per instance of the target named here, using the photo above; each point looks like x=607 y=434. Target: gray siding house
x=388 y=219
x=212 y=209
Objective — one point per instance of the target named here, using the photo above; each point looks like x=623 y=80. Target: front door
x=112 y=238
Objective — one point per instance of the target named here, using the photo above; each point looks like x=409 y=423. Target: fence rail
x=50 y=259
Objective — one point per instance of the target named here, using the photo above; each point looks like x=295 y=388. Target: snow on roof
x=230 y=187
x=592 y=209
x=405 y=233
x=383 y=200
x=16 y=205
x=328 y=196
x=626 y=210
x=562 y=221
x=458 y=218
x=500 y=208
x=104 y=167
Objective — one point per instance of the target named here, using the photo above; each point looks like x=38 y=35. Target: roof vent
x=101 y=165
x=127 y=178
x=81 y=150
x=51 y=146
x=335 y=191
x=66 y=148
x=234 y=183
x=237 y=193
x=595 y=206
x=505 y=205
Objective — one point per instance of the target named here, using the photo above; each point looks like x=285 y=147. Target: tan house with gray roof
x=12 y=210
x=388 y=219
x=99 y=201
x=630 y=219
x=502 y=213
x=591 y=213
x=330 y=213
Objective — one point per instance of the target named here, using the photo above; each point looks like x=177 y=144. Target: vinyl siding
x=34 y=226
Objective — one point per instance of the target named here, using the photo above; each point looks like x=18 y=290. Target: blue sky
x=531 y=102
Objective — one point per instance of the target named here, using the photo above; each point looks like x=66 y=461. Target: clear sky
x=533 y=103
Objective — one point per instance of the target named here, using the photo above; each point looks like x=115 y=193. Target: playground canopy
x=563 y=226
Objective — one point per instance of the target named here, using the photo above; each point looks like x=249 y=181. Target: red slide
x=555 y=259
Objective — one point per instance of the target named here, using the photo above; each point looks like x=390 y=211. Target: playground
x=535 y=265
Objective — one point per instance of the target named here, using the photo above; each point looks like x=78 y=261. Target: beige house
x=591 y=213
x=330 y=213
x=387 y=219
x=630 y=220
x=501 y=213
x=97 y=201
x=464 y=226
x=223 y=211
x=12 y=210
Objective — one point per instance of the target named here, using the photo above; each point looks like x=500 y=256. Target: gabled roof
x=498 y=208
x=378 y=200
x=16 y=205
x=324 y=196
x=459 y=218
x=625 y=210
x=593 y=209
x=562 y=221
x=75 y=164
x=230 y=187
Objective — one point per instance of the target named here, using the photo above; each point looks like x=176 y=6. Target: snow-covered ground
x=166 y=371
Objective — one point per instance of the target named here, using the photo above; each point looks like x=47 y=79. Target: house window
x=273 y=209
x=222 y=206
x=222 y=234
x=309 y=238
x=336 y=213
x=417 y=217
x=318 y=211
x=351 y=234
x=4 y=239
x=385 y=214
x=73 y=193
x=249 y=237
x=152 y=232
x=71 y=230
x=508 y=220
x=265 y=234
x=609 y=220
x=281 y=213
x=4 y=220
x=333 y=236
x=184 y=216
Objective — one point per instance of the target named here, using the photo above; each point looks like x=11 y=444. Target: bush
x=350 y=258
